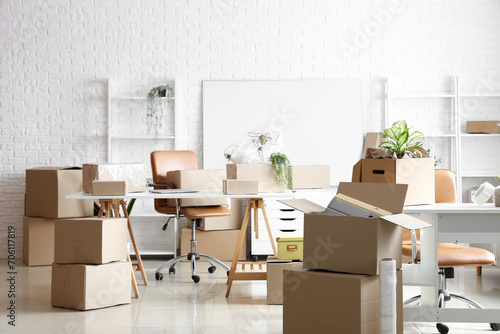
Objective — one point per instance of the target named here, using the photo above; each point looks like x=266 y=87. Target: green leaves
x=399 y=139
x=282 y=169
x=154 y=110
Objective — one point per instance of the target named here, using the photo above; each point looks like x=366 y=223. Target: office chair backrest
x=166 y=161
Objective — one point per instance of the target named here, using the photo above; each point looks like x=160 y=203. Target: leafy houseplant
x=154 y=110
x=400 y=140
x=282 y=169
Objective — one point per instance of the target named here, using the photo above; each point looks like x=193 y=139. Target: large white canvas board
x=320 y=119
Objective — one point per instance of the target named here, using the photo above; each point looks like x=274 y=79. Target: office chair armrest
x=165 y=184
x=413 y=235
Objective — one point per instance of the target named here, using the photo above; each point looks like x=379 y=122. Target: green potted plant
x=282 y=169
x=154 y=109
x=400 y=140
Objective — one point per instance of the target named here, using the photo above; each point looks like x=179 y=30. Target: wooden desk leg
x=132 y=238
x=261 y=205
x=241 y=239
x=134 y=281
x=256 y=220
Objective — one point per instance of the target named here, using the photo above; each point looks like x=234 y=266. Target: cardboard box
x=290 y=247
x=418 y=174
x=87 y=287
x=264 y=173
x=134 y=175
x=109 y=188
x=46 y=188
x=356 y=244
x=219 y=244
x=200 y=179
x=275 y=270
x=38 y=241
x=90 y=240
x=311 y=177
x=232 y=222
x=327 y=302
x=236 y=187
x=372 y=140
x=483 y=127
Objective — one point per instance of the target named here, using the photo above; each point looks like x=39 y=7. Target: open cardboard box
x=356 y=244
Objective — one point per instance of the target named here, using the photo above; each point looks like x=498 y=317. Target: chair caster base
x=171 y=271
x=495 y=327
x=442 y=328
x=212 y=269
x=158 y=276
x=255 y=258
x=195 y=278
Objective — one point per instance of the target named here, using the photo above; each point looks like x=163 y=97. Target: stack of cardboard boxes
x=337 y=290
x=45 y=204
x=90 y=269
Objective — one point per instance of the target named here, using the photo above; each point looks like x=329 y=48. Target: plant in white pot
x=155 y=110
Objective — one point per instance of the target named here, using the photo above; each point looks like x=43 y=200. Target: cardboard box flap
x=390 y=197
x=406 y=221
x=303 y=205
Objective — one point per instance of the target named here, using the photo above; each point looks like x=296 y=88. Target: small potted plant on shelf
x=282 y=169
x=155 y=111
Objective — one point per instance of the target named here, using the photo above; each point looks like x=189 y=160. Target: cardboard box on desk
x=311 y=176
x=327 y=302
x=46 y=188
x=418 y=174
x=134 y=175
x=483 y=127
x=237 y=187
x=275 y=270
x=264 y=173
x=219 y=244
x=232 y=222
x=91 y=240
x=200 y=179
x=87 y=287
x=356 y=244
x=109 y=188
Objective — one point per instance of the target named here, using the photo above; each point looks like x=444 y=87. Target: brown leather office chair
x=449 y=255
x=161 y=163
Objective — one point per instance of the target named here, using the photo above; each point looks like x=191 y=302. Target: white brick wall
x=56 y=55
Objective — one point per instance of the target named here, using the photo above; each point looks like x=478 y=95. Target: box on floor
x=328 y=302
x=275 y=270
x=200 y=179
x=219 y=244
x=231 y=222
x=87 y=287
x=46 y=188
x=417 y=173
x=90 y=240
x=356 y=244
x=134 y=175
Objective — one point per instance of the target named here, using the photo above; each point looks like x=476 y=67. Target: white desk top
x=199 y=194
x=450 y=208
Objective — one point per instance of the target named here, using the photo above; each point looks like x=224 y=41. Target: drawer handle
x=287 y=210
x=287 y=231
x=292 y=248
x=287 y=219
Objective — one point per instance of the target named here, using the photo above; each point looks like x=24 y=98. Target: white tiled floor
x=177 y=305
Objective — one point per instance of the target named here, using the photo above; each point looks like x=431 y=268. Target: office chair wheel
x=255 y=258
x=495 y=327
x=195 y=278
x=212 y=269
x=171 y=271
x=158 y=276
x=442 y=328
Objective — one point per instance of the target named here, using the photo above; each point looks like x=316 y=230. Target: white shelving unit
x=455 y=135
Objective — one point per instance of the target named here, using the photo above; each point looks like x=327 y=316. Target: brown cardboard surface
x=200 y=179
x=327 y=302
x=417 y=173
x=363 y=205
x=264 y=173
x=108 y=188
x=275 y=270
x=38 y=241
x=372 y=139
x=235 y=187
x=232 y=222
x=90 y=240
x=133 y=174
x=390 y=197
x=219 y=244
x=311 y=176
x=483 y=127
x=86 y=287
x=46 y=188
